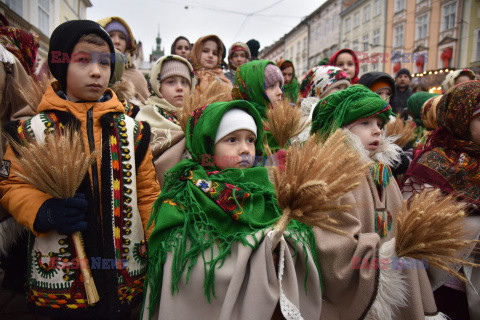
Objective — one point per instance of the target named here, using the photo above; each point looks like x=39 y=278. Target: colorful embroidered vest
x=114 y=243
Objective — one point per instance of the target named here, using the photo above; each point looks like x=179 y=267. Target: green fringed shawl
x=201 y=207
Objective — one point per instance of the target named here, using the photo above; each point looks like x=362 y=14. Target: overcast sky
x=264 y=20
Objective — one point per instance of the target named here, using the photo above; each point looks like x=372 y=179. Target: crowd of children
x=178 y=219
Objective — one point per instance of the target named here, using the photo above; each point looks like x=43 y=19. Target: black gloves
x=62 y=215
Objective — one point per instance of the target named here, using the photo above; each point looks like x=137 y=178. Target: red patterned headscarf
x=450 y=160
x=22 y=44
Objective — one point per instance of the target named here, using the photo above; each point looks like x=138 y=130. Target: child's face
x=174 y=89
x=385 y=94
x=462 y=79
x=343 y=86
x=287 y=74
x=88 y=72
x=239 y=58
x=274 y=93
x=475 y=130
x=209 y=56
x=346 y=63
x=182 y=48
x=369 y=132
x=119 y=40
x=236 y=150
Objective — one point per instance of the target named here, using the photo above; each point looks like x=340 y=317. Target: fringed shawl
x=450 y=160
x=201 y=207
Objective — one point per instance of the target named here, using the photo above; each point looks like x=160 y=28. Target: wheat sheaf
x=57 y=167
x=431 y=227
x=405 y=131
x=316 y=174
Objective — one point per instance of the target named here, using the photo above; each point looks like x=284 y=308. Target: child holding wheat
x=213 y=242
x=360 y=273
x=112 y=204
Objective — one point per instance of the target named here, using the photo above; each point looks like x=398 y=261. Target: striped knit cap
x=347 y=106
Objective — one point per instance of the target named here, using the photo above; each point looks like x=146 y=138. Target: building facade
x=296 y=48
x=363 y=30
x=424 y=34
x=274 y=52
x=43 y=16
x=469 y=41
x=324 y=32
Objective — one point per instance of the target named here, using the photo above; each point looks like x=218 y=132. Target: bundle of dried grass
x=284 y=122
x=405 y=131
x=57 y=167
x=315 y=175
x=430 y=227
x=216 y=92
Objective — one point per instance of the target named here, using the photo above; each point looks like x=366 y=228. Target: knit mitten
x=62 y=215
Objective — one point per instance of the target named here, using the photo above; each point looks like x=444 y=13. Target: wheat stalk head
x=431 y=227
x=405 y=131
x=284 y=122
x=316 y=174
x=57 y=167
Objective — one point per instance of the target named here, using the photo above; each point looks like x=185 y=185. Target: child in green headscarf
x=414 y=105
x=212 y=243
x=261 y=83
x=355 y=286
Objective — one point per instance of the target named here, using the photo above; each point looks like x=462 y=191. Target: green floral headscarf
x=201 y=207
x=250 y=85
x=346 y=106
x=290 y=90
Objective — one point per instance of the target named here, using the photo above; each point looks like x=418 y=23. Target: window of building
x=448 y=16
x=366 y=13
x=319 y=31
x=399 y=5
x=44 y=16
x=15 y=5
x=398 y=38
x=378 y=7
x=355 y=45
x=347 y=24
x=291 y=53
x=334 y=23
x=364 y=68
x=327 y=25
x=299 y=43
x=75 y=5
x=305 y=43
x=356 y=19
x=422 y=27
x=376 y=37
x=375 y=66
x=366 y=45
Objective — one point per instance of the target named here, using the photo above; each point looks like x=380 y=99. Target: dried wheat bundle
x=405 y=131
x=316 y=174
x=431 y=227
x=57 y=167
x=284 y=122
x=216 y=92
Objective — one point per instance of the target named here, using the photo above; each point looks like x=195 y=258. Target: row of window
x=324 y=29
x=366 y=15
